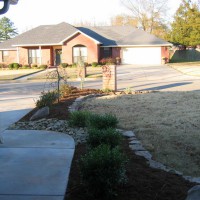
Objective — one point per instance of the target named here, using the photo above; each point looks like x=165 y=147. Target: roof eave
x=142 y=45
x=35 y=45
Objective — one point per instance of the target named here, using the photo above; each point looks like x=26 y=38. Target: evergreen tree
x=186 y=24
x=7 y=29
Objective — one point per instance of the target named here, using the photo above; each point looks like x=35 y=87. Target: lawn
x=167 y=124
x=14 y=74
x=189 y=68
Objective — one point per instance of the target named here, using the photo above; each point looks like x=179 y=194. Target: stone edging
x=135 y=144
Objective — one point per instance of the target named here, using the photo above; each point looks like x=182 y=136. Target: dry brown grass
x=167 y=123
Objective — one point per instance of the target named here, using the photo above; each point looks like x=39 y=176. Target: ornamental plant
x=108 y=136
x=47 y=99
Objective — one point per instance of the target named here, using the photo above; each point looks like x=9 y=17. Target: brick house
x=64 y=43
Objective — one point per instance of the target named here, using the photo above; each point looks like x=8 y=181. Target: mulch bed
x=144 y=183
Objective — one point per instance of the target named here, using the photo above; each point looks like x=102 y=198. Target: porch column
x=18 y=55
x=40 y=48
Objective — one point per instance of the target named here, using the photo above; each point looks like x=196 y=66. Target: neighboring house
x=64 y=43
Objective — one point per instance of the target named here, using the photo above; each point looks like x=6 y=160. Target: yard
x=13 y=74
x=167 y=124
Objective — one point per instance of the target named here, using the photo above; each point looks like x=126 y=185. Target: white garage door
x=141 y=55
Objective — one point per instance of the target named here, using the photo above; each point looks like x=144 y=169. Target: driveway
x=162 y=78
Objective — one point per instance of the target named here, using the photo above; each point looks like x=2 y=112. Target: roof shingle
x=106 y=35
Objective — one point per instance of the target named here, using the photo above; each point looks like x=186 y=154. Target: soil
x=144 y=183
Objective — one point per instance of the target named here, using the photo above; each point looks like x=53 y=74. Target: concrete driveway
x=162 y=78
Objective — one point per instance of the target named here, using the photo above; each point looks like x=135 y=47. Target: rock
x=144 y=154
x=157 y=165
x=137 y=147
x=194 y=193
x=128 y=134
x=41 y=113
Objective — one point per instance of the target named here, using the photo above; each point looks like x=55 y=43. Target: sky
x=28 y=14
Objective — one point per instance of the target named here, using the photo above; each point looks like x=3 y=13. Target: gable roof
x=123 y=36
x=46 y=35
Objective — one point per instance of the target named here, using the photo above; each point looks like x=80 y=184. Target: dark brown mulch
x=144 y=183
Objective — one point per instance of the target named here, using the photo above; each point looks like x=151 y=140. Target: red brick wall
x=80 y=39
x=165 y=53
x=11 y=58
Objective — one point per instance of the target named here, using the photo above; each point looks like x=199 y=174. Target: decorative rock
x=136 y=147
x=194 y=193
x=157 y=165
x=134 y=142
x=128 y=134
x=41 y=113
x=144 y=154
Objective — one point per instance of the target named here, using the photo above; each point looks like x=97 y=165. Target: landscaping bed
x=143 y=182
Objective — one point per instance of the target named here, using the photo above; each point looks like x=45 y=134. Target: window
x=79 y=53
x=107 y=52
x=5 y=55
x=34 y=56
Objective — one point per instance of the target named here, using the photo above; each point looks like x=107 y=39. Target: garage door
x=141 y=55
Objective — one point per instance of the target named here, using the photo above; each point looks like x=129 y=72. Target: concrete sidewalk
x=34 y=165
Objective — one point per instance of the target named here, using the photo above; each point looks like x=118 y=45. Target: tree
x=149 y=13
x=186 y=24
x=7 y=29
x=121 y=20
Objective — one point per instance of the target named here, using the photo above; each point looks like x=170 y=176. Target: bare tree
x=148 y=13
x=121 y=20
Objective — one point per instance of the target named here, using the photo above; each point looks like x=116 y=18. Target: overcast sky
x=28 y=14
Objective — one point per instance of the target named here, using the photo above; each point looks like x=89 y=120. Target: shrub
x=10 y=66
x=25 y=67
x=47 y=99
x=94 y=64
x=108 y=61
x=79 y=119
x=105 y=136
x=43 y=67
x=103 y=121
x=65 y=90
x=64 y=65
x=16 y=65
x=34 y=66
x=102 y=169
x=74 y=65
x=86 y=64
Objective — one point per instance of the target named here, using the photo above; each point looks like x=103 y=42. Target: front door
x=58 y=57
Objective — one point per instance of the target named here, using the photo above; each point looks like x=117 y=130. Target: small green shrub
x=64 y=65
x=47 y=99
x=10 y=66
x=34 y=66
x=43 y=67
x=102 y=170
x=16 y=65
x=74 y=65
x=94 y=64
x=104 y=136
x=25 y=67
x=65 y=90
x=103 y=121
x=79 y=118
x=86 y=64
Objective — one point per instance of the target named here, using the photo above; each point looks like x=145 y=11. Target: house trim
x=96 y=41
x=158 y=45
